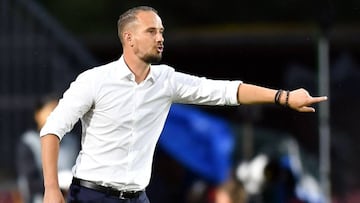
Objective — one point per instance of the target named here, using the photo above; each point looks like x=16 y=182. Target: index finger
x=318 y=99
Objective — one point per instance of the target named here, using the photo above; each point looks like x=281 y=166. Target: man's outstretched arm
x=299 y=99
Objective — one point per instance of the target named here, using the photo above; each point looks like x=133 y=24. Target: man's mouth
x=160 y=48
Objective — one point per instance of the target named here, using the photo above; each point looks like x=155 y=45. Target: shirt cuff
x=45 y=131
x=232 y=93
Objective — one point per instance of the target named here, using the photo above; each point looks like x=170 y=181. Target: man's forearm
x=49 y=154
x=252 y=94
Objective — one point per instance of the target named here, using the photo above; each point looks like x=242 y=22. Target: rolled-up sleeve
x=232 y=89
x=200 y=90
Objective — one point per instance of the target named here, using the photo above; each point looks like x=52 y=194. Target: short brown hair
x=130 y=16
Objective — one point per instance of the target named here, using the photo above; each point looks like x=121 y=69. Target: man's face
x=148 y=37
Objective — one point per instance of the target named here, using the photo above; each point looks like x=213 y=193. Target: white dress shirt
x=122 y=120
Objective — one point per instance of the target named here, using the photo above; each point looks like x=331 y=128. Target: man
x=123 y=107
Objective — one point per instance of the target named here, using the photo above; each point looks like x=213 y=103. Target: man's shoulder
x=162 y=68
x=98 y=70
x=161 y=71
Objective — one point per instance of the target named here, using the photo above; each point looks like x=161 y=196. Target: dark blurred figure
x=170 y=181
x=280 y=184
x=28 y=157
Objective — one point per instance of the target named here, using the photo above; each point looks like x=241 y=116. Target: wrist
x=287 y=95
x=281 y=97
x=51 y=185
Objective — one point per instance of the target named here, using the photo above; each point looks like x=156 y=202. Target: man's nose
x=160 y=37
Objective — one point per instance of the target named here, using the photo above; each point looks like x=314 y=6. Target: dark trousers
x=81 y=194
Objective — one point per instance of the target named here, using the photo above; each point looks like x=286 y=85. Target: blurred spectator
x=278 y=174
x=28 y=157
x=280 y=184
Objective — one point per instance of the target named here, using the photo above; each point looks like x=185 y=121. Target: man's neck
x=139 y=68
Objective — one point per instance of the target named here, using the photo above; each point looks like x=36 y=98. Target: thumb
x=306 y=109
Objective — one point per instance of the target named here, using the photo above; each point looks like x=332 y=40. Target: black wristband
x=278 y=96
x=287 y=98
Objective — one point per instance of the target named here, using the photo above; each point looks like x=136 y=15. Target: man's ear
x=128 y=38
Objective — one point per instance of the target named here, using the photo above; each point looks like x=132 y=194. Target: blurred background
x=288 y=44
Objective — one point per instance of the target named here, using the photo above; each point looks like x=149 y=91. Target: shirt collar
x=124 y=71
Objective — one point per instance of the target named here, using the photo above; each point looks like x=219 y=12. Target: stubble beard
x=152 y=58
